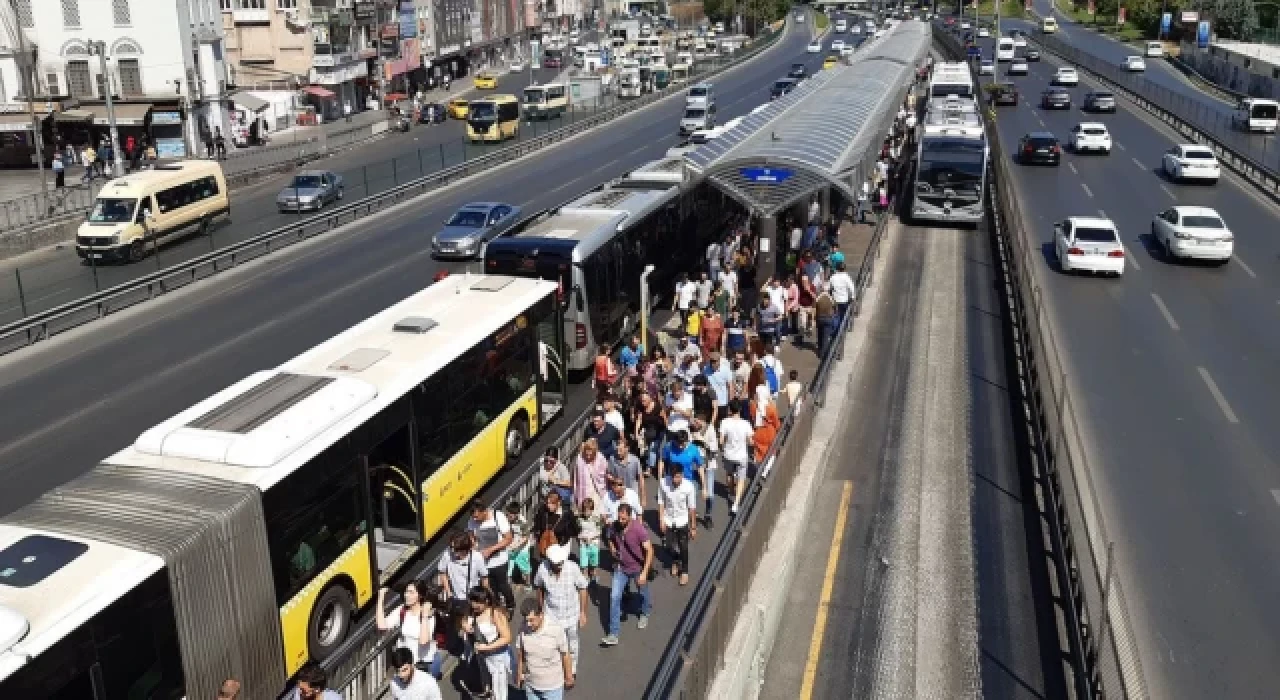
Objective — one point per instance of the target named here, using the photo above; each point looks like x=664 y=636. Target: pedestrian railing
x=39 y=207
x=36 y=326
x=1099 y=632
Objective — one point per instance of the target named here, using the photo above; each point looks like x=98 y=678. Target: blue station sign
x=766 y=175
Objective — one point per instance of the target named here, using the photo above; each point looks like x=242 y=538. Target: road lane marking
x=1121 y=146
x=1275 y=493
x=1246 y=268
x=1073 y=168
x=824 y=601
x=1139 y=164
x=1217 y=396
x=1168 y=191
x=1132 y=260
x=1086 y=189
x=1164 y=311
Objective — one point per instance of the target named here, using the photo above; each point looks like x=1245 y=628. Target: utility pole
x=37 y=136
x=117 y=162
x=996 y=4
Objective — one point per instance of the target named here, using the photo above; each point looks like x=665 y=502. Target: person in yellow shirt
x=693 y=325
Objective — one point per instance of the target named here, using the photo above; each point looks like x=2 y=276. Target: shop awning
x=250 y=102
x=126 y=114
x=318 y=91
x=74 y=115
x=17 y=121
x=396 y=97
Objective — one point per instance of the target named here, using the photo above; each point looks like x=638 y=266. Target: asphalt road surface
x=1173 y=373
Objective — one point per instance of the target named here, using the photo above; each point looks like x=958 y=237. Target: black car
x=1039 y=147
x=1055 y=98
x=1004 y=94
x=1099 y=101
x=1033 y=55
x=781 y=87
x=797 y=71
x=432 y=113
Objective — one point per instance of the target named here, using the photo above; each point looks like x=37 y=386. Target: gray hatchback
x=310 y=191
x=471 y=227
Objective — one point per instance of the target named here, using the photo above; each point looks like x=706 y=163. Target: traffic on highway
x=1169 y=364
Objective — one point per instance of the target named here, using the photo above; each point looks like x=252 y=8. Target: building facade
x=163 y=68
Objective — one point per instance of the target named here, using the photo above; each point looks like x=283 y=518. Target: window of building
x=287 y=4
x=130 y=76
x=52 y=80
x=225 y=5
x=120 y=12
x=71 y=13
x=23 y=9
x=79 y=83
x=251 y=4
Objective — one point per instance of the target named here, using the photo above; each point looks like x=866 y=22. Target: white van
x=136 y=212
x=1256 y=114
x=1155 y=49
x=842 y=26
x=1048 y=25
x=1005 y=48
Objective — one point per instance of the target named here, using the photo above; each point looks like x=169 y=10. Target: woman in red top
x=767 y=427
x=605 y=372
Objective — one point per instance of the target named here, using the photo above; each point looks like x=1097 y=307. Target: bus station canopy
x=826 y=132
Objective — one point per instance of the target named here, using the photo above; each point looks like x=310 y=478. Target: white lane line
x=1132 y=260
x=1139 y=164
x=1275 y=493
x=1248 y=270
x=1164 y=311
x=1073 y=168
x=1086 y=189
x=1121 y=146
x=1217 y=396
x=1168 y=191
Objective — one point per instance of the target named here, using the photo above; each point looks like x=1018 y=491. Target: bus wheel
x=330 y=620
x=517 y=437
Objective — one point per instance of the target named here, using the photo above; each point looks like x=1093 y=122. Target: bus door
x=395 y=476
x=552 y=357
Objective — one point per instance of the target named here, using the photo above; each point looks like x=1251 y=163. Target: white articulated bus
x=951 y=168
x=1005 y=48
x=239 y=538
x=951 y=79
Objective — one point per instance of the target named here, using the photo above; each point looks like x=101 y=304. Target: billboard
x=1202 y=34
x=1166 y=21
x=1120 y=16
x=408 y=23
x=1189 y=17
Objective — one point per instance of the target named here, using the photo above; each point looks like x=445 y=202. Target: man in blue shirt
x=719 y=376
x=631 y=354
x=683 y=455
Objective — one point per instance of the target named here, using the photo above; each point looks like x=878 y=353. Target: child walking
x=590 y=526
x=518 y=550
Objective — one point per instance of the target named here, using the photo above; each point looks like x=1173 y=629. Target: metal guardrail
x=696 y=649
x=1099 y=632
x=37 y=208
x=43 y=325
x=1190 y=118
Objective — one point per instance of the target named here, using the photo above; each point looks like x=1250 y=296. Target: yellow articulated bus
x=493 y=119
x=239 y=538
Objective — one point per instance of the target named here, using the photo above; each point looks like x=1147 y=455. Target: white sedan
x=1191 y=161
x=1193 y=232
x=1088 y=244
x=837 y=45
x=814 y=47
x=984 y=33
x=1019 y=67
x=987 y=67
x=1090 y=136
x=1135 y=64
x=1066 y=76
x=517 y=66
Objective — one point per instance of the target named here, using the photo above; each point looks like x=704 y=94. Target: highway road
x=1173 y=373
x=54 y=277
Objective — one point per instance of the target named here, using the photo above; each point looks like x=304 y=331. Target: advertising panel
x=1202 y=34
x=1189 y=17
x=1166 y=21
x=408 y=23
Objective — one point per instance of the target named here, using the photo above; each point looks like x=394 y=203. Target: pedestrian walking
x=735 y=441
x=312 y=683
x=824 y=316
x=604 y=372
x=650 y=421
x=462 y=568
x=590 y=527
x=843 y=291
x=486 y=669
x=544 y=666
x=605 y=435
x=619 y=494
x=59 y=172
x=89 y=157
x=554 y=475
x=563 y=594
x=590 y=469
x=415 y=623
x=768 y=319
x=685 y=292
x=553 y=523
x=633 y=558
x=220 y=143
x=208 y=145
x=518 y=552
x=492 y=533
x=678 y=521
x=703 y=436
x=625 y=467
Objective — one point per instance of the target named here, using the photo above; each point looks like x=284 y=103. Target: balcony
x=240 y=16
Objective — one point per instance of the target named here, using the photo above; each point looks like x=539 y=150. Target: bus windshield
x=952 y=168
x=950 y=89
x=1263 y=111
x=535 y=96
x=547 y=266
x=111 y=210
x=483 y=111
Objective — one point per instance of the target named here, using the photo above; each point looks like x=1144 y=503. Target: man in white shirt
x=729 y=280
x=679 y=407
x=715 y=252
x=613 y=417
x=736 y=434
x=685 y=291
x=704 y=287
x=843 y=291
x=492 y=533
x=617 y=495
x=678 y=520
x=815 y=210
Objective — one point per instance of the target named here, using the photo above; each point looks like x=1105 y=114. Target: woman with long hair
x=590 y=471
x=415 y=620
x=488 y=670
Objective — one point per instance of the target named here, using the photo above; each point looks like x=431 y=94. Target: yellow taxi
x=486 y=81
x=830 y=61
x=458 y=108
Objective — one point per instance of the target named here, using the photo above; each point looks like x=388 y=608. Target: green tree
x=1235 y=19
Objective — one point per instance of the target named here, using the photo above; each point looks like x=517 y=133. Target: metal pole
x=644 y=305
x=117 y=164
x=37 y=138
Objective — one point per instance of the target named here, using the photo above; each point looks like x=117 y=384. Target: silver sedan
x=310 y=190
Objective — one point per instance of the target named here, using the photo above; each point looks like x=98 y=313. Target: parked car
x=1099 y=101
x=310 y=190
x=1055 y=98
x=472 y=226
x=1039 y=147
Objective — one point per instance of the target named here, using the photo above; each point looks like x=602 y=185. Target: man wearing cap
x=562 y=589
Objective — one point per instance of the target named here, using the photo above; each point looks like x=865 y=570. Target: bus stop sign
x=765 y=175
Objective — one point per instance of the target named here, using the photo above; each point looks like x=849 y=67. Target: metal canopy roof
x=825 y=133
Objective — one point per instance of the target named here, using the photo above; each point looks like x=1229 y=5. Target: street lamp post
x=37 y=137
x=117 y=163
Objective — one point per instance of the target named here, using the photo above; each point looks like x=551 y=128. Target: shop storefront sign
x=171 y=148
x=390 y=31
x=363 y=11
x=450 y=49
x=164 y=118
x=327 y=60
